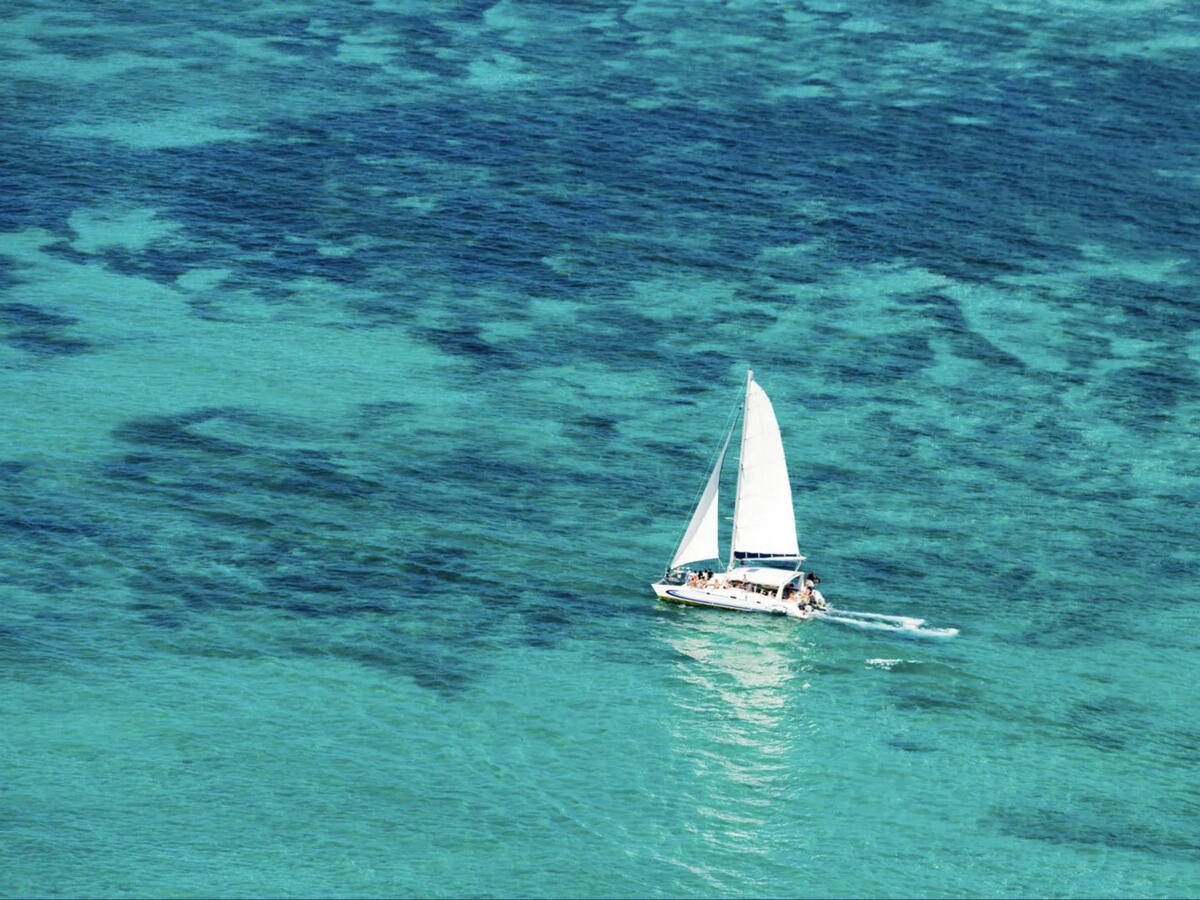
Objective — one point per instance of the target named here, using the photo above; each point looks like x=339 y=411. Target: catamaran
x=764 y=572
x=764 y=567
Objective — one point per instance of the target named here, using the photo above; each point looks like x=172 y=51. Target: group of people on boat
x=808 y=598
x=707 y=579
x=805 y=596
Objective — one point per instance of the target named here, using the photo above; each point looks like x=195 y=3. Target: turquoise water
x=361 y=362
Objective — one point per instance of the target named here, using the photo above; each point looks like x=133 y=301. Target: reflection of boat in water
x=764 y=572
x=739 y=727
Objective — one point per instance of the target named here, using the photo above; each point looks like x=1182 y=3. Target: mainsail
x=700 y=540
x=764 y=521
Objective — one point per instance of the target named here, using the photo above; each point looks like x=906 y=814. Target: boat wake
x=870 y=621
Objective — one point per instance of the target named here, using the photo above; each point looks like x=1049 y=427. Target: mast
x=737 y=501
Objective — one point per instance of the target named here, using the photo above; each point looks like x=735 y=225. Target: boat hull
x=720 y=598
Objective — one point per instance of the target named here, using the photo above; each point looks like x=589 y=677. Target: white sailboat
x=764 y=572
x=764 y=566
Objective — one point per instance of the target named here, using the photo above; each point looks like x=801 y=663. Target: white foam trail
x=904 y=620
x=895 y=624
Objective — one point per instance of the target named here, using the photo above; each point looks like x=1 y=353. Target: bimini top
x=762 y=575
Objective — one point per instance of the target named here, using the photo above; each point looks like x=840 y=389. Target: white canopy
x=763 y=575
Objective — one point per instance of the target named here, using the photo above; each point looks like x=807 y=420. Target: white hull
x=723 y=598
x=751 y=601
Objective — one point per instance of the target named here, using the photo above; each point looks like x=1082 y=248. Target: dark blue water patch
x=39 y=343
x=418 y=635
x=591 y=430
x=1094 y=824
x=897 y=440
x=937 y=309
x=544 y=628
x=258 y=478
x=335 y=611
x=911 y=746
x=971 y=344
x=548 y=613
x=10 y=468
x=465 y=341
x=170 y=432
x=305 y=583
x=1176 y=569
x=423 y=577
x=961 y=700
x=1156 y=548
x=392 y=305
x=38 y=331
x=191 y=592
x=513 y=220
x=184 y=459
x=380 y=423
x=313 y=46
x=230 y=501
x=156 y=618
x=162 y=264
x=34 y=525
x=1110 y=723
x=503 y=476
x=54 y=176
x=880 y=363
x=45 y=647
x=440 y=653
x=385 y=412
x=137 y=467
x=93 y=43
x=506 y=224
x=1182 y=745
x=445 y=673
x=8 y=276
x=701 y=384
x=325 y=575
x=310 y=473
x=24 y=315
x=1071 y=174
x=65 y=250
x=286 y=263
x=814 y=483
x=883 y=576
x=1054 y=435
x=1154 y=311
x=1147 y=394
x=52 y=577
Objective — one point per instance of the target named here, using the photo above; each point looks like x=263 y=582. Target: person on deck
x=815 y=598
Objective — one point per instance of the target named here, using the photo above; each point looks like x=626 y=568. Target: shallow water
x=361 y=364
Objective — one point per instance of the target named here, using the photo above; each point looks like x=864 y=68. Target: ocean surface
x=360 y=363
